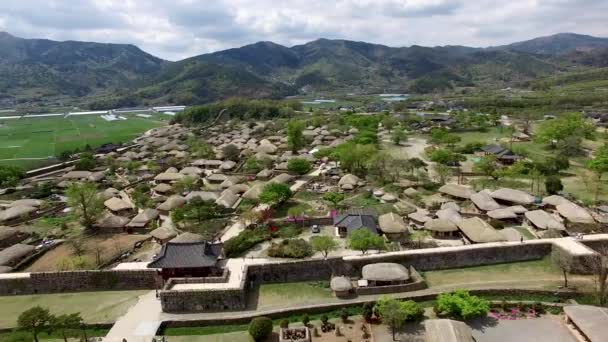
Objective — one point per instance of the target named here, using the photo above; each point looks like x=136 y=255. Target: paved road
x=140 y=323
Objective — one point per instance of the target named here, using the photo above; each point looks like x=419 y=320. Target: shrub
x=324 y=319
x=87 y=162
x=290 y=248
x=275 y=193
x=298 y=165
x=289 y=231
x=553 y=185
x=460 y=304
x=344 y=314
x=244 y=241
x=10 y=175
x=305 y=319
x=284 y=323
x=368 y=311
x=260 y=328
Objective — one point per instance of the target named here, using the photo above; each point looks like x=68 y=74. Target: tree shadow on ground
x=482 y=323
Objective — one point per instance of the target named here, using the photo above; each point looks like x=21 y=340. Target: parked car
x=315 y=228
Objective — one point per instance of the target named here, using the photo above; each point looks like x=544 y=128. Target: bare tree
x=598 y=266
x=563 y=261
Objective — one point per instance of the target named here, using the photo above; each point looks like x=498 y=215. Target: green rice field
x=33 y=142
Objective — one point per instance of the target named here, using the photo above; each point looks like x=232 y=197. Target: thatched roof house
x=513 y=196
x=341 y=286
x=187 y=238
x=348 y=182
x=27 y=202
x=457 y=190
x=163 y=234
x=484 y=201
x=173 y=202
x=447 y=330
x=168 y=177
x=163 y=188
x=14 y=254
x=116 y=205
x=441 y=227
x=449 y=214
x=227 y=199
x=479 y=231
x=111 y=221
x=541 y=219
x=264 y=174
x=502 y=214
x=419 y=217
x=254 y=192
x=392 y=224
x=554 y=200
x=143 y=218
x=16 y=212
x=203 y=195
x=385 y=273
x=574 y=213
x=283 y=178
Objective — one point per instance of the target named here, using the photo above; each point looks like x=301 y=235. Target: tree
x=305 y=319
x=141 y=196
x=441 y=136
x=563 y=261
x=35 y=320
x=231 y=152
x=295 y=136
x=599 y=165
x=442 y=171
x=553 y=185
x=489 y=167
x=84 y=199
x=398 y=136
x=446 y=157
x=10 y=175
x=186 y=184
x=260 y=328
x=86 y=162
x=389 y=122
x=197 y=211
x=66 y=322
x=323 y=244
x=354 y=158
x=252 y=165
x=569 y=125
x=364 y=240
x=395 y=313
x=334 y=198
x=461 y=305
x=275 y=193
x=298 y=165
x=598 y=265
x=344 y=315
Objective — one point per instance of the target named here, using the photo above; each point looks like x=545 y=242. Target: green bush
x=289 y=231
x=284 y=323
x=305 y=319
x=553 y=185
x=461 y=305
x=260 y=328
x=10 y=175
x=246 y=240
x=344 y=315
x=290 y=248
x=298 y=165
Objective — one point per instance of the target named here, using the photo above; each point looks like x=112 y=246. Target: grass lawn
x=47 y=137
x=280 y=295
x=283 y=209
x=485 y=137
x=519 y=273
x=95 y=307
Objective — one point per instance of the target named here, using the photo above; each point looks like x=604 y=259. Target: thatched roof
x=389 y=198
x=117 y=204
x=484 y=201
x=10 y=256
x=502 y=214
x=574 y=213
x=27 y=202
x=554 y=200
x=227 y=199
x=163 y=233
x=543 y=220
x=217 y=177
x=112 y=221
x=457 y=190
x=518 y=209
x=348 y=179
x=143 y=218
x=513 y=196
x=440 y=225
x=254 y=192
x=188 y=238
x=282 y=178
x=479 y=231
x=191 y=170
x=8 y=232
x=163 y=188
x=418 y=216
x=450 y=215
x=77 y=175
x=266 y=148
x=391 y=223
x=385 y=271
x=16 y=212
x=232 y=180
x=447 y=330
x=168 y=177
x=340 y=284
x=510 y=234
x=410 y=192
x=108 y=193
x=264 y=174
x=228 y=165
x=174 y=201
x=450 y=205
x=203 y=195
x=238 y=188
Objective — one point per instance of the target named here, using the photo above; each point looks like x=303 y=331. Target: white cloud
x=182 y=28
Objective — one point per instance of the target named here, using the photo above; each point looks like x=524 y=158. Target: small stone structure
x=294 y=335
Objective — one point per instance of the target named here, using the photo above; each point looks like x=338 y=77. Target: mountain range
x=36 y=71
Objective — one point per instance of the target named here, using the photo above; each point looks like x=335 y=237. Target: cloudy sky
x=175 y=29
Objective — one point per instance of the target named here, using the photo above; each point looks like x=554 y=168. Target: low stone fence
x=418 y=283
x=199 y=280
x=79 y=281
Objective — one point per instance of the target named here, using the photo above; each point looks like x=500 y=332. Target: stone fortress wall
x=292 y=271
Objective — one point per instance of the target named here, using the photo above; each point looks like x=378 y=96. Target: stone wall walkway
x=140 y=323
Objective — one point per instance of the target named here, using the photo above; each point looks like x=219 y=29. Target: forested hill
x=116 y=75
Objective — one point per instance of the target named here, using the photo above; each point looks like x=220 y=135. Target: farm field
x=32 y=142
